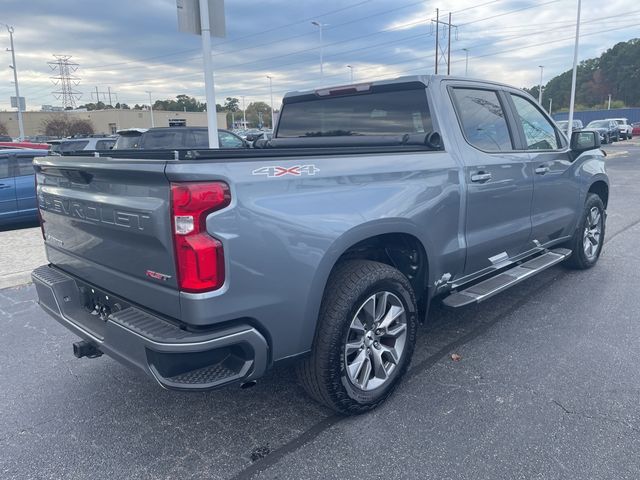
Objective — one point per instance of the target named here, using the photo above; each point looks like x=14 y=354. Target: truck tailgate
x=107 y=221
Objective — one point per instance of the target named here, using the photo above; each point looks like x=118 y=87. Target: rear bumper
x=176 y=358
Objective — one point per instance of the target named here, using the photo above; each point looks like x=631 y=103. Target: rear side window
x=200 y=139
x=381 y=113
x=25 y=166
x=73 y=146
x=482 y=118
x=228 y=140
x=171 y=139
x=538 y=131
x=105 y=144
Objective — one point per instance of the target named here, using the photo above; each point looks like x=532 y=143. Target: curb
x=15 y=279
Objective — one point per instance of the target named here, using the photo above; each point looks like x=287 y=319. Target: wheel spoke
x=378 y=364
x=365 y=373
x=382 y=301
x=396 y=331
x=369 y=310
x=391 y=353
x=356 y=366
x=393 y=313
x=357 y=326
x=353 y=346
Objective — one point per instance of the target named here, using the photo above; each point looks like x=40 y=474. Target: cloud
x=134 y=46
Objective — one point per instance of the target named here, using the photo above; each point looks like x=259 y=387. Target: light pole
x=320 y=25
x=350 y=67
x=153 y=123
x=575 y=71
x=540 y=87
x=273 y=116
x=550 y=105
x=15 y=80
x=466 y=61
x=244 y=114
x=609 y=105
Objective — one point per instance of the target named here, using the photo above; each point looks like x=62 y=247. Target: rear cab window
x=389 y=112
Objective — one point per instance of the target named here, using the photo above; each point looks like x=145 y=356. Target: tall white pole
x=466 y=61
x=540 y=87
x=15 y=80
x=320 y=25
x=550 y=105
x=350 y=67
x=273 y=116
x=609 y=106
x=212 y=118
x=153 y=123
x=575 y=71
x=244 y=114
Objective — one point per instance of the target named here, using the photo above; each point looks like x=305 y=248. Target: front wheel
x=365 y=337
x=588 y=238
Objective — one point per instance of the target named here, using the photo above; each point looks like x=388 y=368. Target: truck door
x=8 y=203
x=25 y=184
x=556 y=193
x=498 y=178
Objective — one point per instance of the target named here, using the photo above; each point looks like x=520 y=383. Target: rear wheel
x=587 y=240
x=365 y=338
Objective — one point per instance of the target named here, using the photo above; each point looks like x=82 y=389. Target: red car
x=41 y=146
x=636 y=129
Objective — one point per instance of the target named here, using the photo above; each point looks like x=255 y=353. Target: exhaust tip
x=85 y=349
x=249 y=384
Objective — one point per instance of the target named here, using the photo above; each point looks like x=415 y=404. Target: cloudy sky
x=133 y=46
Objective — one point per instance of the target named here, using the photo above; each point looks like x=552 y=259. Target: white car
x=67 y=145
x=626 y=129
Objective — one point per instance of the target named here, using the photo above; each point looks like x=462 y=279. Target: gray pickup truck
x=323 y=247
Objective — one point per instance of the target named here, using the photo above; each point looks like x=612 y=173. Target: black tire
x=579 y=259
x=323 y=374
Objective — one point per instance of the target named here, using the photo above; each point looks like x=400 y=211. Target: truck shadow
x=105 y=414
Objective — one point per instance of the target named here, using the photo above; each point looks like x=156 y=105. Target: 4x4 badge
x=278 y=171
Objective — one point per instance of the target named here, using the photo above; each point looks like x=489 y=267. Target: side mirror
x=584 y=140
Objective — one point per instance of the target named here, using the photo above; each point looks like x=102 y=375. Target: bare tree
x=60 y=126
x=3 y=129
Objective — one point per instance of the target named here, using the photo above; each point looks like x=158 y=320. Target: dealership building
x=107 y=121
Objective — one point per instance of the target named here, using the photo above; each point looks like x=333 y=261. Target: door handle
x=480 y=177
x=542 y=170
x=4 y=185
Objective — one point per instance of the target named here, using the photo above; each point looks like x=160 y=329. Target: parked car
x=17 y=185
x=636 y=128
x=37 y=146
x=608 y=130
x=577 y=125
x=129 y=138
x=179 y=137
x=85 y=143
x=5 y=138
x=626 y=130
x=324 y=247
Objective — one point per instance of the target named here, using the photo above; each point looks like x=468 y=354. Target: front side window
x=377 y=113
x=538 y=131
x=482 y=118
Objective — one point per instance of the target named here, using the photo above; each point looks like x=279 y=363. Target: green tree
x=232 y=104
x=257 y=111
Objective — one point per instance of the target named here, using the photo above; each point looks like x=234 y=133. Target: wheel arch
x=600 y=188
x=389 y=241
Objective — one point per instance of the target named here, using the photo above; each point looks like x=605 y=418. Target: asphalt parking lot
x=547 y=387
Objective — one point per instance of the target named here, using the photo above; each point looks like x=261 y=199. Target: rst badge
x=157 y=276
x=277 y=171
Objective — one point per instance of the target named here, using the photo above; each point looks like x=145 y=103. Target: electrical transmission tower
x=65 y=80
x=443 y=51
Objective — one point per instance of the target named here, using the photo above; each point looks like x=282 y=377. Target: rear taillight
x=199 y=256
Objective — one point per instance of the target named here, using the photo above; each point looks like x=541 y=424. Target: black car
x=179 y=137
x=608 y=130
